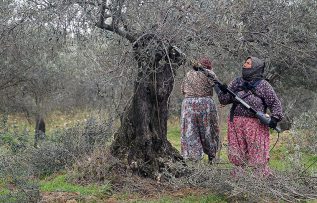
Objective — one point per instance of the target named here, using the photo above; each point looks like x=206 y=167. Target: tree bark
x=142 y=138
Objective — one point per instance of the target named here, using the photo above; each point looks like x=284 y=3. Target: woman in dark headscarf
x=248 y=138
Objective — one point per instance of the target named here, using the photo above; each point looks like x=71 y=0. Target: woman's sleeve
x=212 y=77
x=226 y=98
x=273 y=102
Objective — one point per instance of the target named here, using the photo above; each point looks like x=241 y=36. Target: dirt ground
x=127 y=189
x=73 y=197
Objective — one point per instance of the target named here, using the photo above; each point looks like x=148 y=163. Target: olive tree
x=153 y=31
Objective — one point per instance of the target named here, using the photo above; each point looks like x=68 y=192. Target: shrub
x=49 y=158
x=305 y=131
x=17 y=179
x=99 y=166
x=67 y=146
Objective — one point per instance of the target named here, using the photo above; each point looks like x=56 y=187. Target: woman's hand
x=223 y=88
x=273 y=123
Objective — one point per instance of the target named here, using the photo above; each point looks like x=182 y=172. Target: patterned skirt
x=248 y=146
x=199 y=128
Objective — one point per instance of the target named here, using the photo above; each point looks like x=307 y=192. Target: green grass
x=4 y=191
x=60 y=184
x=55 y=120
x=173 y=135
x=280 y=159
x=188 y=199
x=310 y=161
x=278 y=156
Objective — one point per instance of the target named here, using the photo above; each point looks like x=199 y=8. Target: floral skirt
x=248 y=145
x=199 y=128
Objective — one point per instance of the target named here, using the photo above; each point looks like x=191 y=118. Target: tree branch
x=115 y=24
x=121 y=32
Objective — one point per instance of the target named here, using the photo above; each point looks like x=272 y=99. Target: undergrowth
x=80 y=151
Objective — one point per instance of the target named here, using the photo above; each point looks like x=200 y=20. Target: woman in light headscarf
x=199 y=119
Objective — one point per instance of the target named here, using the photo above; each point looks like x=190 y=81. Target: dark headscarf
x=256 y=71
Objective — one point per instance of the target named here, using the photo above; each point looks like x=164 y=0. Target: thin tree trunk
x=39 y=130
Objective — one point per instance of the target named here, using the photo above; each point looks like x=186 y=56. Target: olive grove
x=127 y=58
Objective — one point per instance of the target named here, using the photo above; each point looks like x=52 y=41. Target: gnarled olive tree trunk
x=141 y=139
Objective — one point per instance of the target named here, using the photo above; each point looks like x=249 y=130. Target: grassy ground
x=94 y=193
x=279 y=155
x=58 y=182
x=54 y=121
